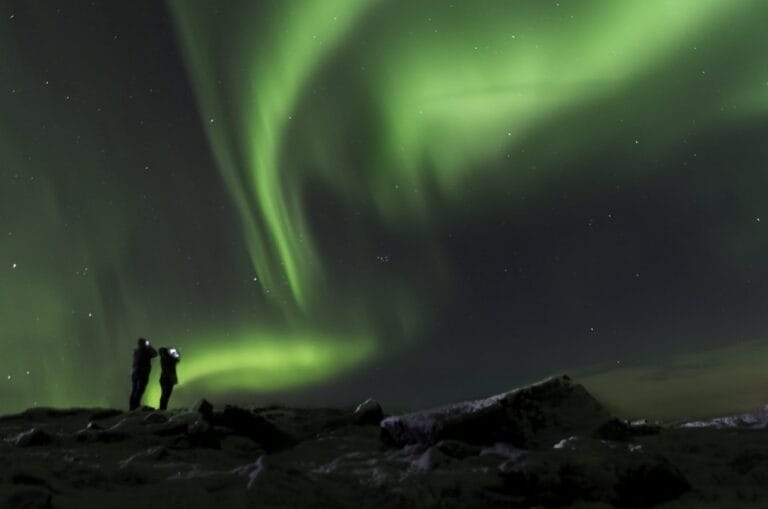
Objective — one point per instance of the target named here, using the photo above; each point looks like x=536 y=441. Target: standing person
x=142 y=365
x=169 y=357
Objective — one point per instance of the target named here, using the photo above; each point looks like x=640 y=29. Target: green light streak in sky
x=456 y=86
x=417 y=114
x=278 y=60
x=459 y=90
x=263 y=362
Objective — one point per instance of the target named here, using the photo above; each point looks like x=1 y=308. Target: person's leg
x=136 y=392
x=141 y=386
x=166 y=395
x=132 y=403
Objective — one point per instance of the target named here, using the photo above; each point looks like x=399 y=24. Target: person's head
x=163 y=351
x=143 y=343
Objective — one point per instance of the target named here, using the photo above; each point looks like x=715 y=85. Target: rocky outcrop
x=545 y=445
x=204 y=408
x=531 y=417
x=758 y=419
x=369 y=412
x=618 y=474
x=28 y=497
x=31 y=438
x=246 y=423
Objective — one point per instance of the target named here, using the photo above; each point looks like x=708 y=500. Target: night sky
x=317 y=201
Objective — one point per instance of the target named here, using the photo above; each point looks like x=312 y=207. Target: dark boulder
x=153 y=454
x=623 y=431
x=246 y=423
x=456 y=449
x=28 y=478
x=155 y=418
x=621 y=475
x=204 y=408
x=535 y=416
x=32 y=438
x=369 y=412
x=28 y=498
x=106 y=436
x=649 y=481
x=107 y=413
x=201 y=434
x=614 y=429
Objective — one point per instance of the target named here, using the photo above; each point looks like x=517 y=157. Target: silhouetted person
x=142 y=365
x=169 y=357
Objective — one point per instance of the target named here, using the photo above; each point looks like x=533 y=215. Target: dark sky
x=320 y=201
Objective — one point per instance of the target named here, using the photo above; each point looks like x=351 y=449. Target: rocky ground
x=550 y=444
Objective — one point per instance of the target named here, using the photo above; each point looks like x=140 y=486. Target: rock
x=747 y=461
x=643 y=429
x=200 y=434
x=105 y=414
x=152 y=455
x=648 y=482
x=199 y=427
x=456 y=449
x=31 y=438
x=536 y=416
x=246 y=423
x=185 y=418
x=595 y=471
x=44 y=413
x=98 y=435
x=204 y=408
x=155 y=418
x=614 y=429
x=240 y=446
x=368 y=412
x=29 y=478
x=758 y=419
x=622 y=431
x=503 y=450
x=170 y=429
x=178 y=424
x=430 y=459
x=28 y=498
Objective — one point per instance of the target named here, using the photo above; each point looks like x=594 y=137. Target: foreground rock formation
x=550 y=444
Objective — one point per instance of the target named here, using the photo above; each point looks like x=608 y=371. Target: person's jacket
x=142 y=360
x=168 y=365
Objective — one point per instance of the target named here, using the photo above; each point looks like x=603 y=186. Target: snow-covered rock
x=534 y=416
x=758 y=419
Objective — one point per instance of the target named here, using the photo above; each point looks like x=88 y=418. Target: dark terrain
x=550 y=444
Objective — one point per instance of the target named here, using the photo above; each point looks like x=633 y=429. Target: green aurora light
x=408 y=116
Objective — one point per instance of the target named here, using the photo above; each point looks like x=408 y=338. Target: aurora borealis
x=323 y=200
